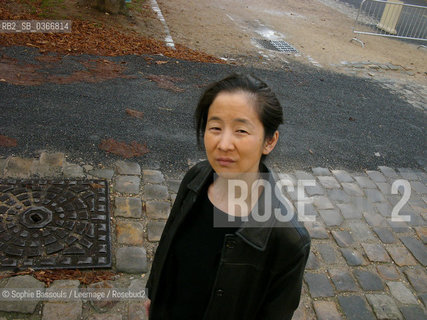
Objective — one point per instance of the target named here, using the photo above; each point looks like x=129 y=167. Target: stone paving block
x=87 y=167
x=73 y=171
x=352 y=189
x=384 y=307
x=319 y=285
x=353 y=257
x=343 y=238
x=315 y=190
x=44 y=170
x=329 y=182
x=68 y=310
x=417 y=248
x=368 y=280
x=152 y=176
x=157 y=209
x=102 y=173
x=326 y=310
x=322 y=203
x=407 y=173
x=384 y=187
x=63 y=284
x=173 y=185
x=105 y=316
x=388 y=272
x=290 y=178
x=127 y=168
x=327 y=253
x=342 y=176
x=419 y=187
x=321 y=171
x=350 y=211
x=401 y=293
x=375 y=252
x=155 y=229
x=343 y=280
x=56 y=159
x=398 y=227
x=376 y=176
x=155 y=192
x=128 y=207
x=418 y=278
x=3 y=164
x=131 y=260
x=18 y=167
x=385 y=235
x=316 y=230
x=173 y=198
x=415 y=219
x=388 y=172
x=331 y=217
x=136 y=311
x=422 y=233
x=312 y=262
x=374 y=219
x=413 y=313
x=360 y=231
x=127 y=184
x=423 y=298
x=102 y=305
x=374 y=195
x=365 y=182
x=129 y=232
x=384 y=209
x=401 y=256
x=338 y=196
x=303 y=175
x=355 y=308
x=15 y=305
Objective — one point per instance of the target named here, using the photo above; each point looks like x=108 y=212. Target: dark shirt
x=193 y=261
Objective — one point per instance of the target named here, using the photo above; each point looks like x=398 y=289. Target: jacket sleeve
x=283 y=295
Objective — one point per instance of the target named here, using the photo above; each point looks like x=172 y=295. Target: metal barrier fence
x=393 y=19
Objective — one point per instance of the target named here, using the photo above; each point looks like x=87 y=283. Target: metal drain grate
x=54 y=224
x=276 y=45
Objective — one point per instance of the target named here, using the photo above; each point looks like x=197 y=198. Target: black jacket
x=261 y=268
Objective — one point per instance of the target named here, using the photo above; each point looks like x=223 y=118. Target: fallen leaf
x=311 y=152
x=161 y=62
x=134 y=149
x=135 y=113
x=7 y=142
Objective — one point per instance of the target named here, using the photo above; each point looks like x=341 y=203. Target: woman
x=221 y=261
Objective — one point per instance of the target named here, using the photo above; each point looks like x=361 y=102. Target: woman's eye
x=214 y=128
x=241 y=131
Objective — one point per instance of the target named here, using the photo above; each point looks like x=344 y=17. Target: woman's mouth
x=225 y=161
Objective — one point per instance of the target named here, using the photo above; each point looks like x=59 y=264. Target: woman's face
x=234 y=135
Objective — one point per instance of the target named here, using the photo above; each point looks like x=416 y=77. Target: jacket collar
x=252 y=232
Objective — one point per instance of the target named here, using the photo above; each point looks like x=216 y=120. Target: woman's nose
x=226 y=142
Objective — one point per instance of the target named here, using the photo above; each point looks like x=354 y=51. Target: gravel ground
x=332 y=120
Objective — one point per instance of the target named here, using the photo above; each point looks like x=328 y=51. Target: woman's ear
x=270 y=143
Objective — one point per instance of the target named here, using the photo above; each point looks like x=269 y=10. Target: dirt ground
x=320 y=30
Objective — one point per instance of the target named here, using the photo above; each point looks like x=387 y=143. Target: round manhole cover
x=54 y=224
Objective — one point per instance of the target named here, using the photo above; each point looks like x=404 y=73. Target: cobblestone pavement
x=362 y=264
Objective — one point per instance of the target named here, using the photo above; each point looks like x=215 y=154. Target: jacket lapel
x=254 y=233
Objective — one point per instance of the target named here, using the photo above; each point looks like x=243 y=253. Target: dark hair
x=266 y=103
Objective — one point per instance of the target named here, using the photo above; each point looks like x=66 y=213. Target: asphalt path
x=332 y=120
